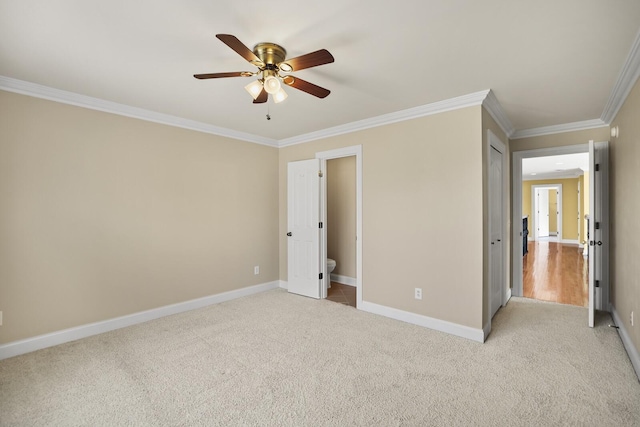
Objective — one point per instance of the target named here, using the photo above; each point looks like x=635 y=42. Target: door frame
x=516 y=203
x=354 y=150
x=534 y=202
x=494 y=142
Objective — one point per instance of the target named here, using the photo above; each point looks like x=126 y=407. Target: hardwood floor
x=557 y=273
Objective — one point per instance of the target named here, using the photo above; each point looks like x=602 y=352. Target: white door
x=592 y=229
x=542 y=212
x=303 y=220
x=598 y=229
x=495 y=229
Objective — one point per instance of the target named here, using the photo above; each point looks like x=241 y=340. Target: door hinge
x=597 y=226
x=597 y=167
x=320 y=225
x=597 y=285
x=320 y=276
x=320 y=174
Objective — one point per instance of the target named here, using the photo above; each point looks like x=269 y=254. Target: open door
x=303 y=219
x=592 y=234
x=542 y=212
x=598 y=229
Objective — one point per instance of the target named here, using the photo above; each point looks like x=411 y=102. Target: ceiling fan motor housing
x=270 y=53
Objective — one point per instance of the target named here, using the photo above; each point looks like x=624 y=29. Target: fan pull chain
x=268 y=115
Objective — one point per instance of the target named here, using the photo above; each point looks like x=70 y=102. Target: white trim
x=486 y=330
x=573 y=242
x=424 y=110
x=494 y=108
x=627 y=78
x=555 y=175
x=424 y=321
x=354 y=150
x=566 y=127
x=39 y=91
x=632 y=351
x=345 y=280
x=534 y=208
x=516 y=204
x=283 y=284
x=60 y=337
x=507 y=296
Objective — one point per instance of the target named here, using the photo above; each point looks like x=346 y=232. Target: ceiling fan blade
x=219 y=75
x=240 y=49
x=305 y=86
x=313 y=59
x=262 y=98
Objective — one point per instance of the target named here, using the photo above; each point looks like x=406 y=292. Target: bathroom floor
x=344 y=294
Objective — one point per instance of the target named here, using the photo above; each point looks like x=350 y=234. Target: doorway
x=305 y=260
x=546 y=211
x=341 y=229
x=574 y=223
x=325 y=156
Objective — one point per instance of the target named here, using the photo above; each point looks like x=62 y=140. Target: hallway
x=556 y=272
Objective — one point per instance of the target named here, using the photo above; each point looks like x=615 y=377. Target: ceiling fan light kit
x=270 y=59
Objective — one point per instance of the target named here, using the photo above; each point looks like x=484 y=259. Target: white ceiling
x=565 y=165
x=548 y=62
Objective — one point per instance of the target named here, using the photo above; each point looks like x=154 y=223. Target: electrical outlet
x=0 y=318
x=631 y=318
x=256 y=270
x=418 y=293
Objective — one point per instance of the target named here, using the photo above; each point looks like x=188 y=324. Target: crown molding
x=494 y=108
x=469 y=100
x=554 y=175
x=627 y=78
x=39 y=91
x=566 y=127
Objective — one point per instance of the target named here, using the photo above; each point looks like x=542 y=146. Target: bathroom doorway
x=341 y=229
x=341 y=208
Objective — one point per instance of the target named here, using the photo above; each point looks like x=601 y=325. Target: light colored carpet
x=280 y=359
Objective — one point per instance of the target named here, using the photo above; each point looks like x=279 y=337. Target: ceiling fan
x=273 y=68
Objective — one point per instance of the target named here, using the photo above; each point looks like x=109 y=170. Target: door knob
x=289 y=234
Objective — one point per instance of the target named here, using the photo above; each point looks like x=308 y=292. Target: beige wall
x=488 y=123
x=560 y=139
x=625 y=208
x=341 y=214
x=569 y=205
x=104 y=216
x=417 y=232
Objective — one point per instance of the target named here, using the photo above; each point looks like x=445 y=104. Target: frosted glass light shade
x=254 y=88
x=279 y=96
x=271 y=84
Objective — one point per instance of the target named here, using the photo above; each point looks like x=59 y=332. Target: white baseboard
x=507 y=296
x=283 y=284
x=60 y=337
x=486 y=331
x=570 y=242
x=632 y=351
x=345 y=280
x=425 y=321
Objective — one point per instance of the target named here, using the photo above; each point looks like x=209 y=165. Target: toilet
x=331 y=265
